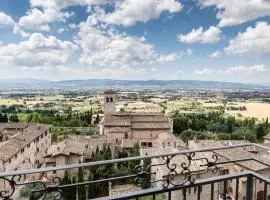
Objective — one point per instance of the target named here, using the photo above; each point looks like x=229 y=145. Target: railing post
x=249 y=187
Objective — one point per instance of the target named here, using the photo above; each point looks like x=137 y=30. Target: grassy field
x=57 y=102
x=138 y=106
x=254 y=109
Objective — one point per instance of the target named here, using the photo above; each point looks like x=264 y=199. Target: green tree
x=133 y=153
x=91 y=191
x=35 y=117
x=1 y=117
x=260 y=132
x=146 y=180
x=66 y=191
x=180 y=124
x=81 y=189
x=13 y=118
x=73 y=190
x=97 y=119
x=5 y=118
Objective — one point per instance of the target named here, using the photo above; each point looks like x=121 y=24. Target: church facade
x=131 y=126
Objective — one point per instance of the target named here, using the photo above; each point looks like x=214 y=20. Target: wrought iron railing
x=188 y=174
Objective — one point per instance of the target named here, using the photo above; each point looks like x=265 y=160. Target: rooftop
x=21 y=139
x=75 y=144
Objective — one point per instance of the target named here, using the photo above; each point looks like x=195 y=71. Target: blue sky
x=131 y=39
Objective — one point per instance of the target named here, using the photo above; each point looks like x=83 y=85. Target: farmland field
x=253 y=109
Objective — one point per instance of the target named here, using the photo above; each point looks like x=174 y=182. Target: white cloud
x=60 y=30
x=5 y=19
x=216 y=54
x=169 y=57
x=68 y=27
x=212 y=35
x=37 y=51
x=204 y=71
x=233 y=70
x=128 y=12
x=233 y=12
x=253 y=41
x=103 y=45
x=36 y=19
x=246 y=69
x=59 y=4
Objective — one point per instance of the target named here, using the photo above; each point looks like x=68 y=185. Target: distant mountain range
x=25 y=83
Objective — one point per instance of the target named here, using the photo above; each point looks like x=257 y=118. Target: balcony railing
x=188 y=174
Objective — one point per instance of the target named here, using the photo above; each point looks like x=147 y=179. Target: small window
x=126 y=135
x=150 y=144
x=111 y=100
x=144 y=144
x=9 y=160
x=15 y=156
x=46 y=133
x=41 y=136
x=107 y=100
x=22 y=150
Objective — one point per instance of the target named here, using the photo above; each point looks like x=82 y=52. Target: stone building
x=9 y=129
x=73 y=150
x=140 y=127
x=24 y=145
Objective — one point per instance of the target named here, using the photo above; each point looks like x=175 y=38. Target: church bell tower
x=109 y=102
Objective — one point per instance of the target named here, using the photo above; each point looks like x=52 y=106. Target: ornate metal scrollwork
x=186 y=171
x=142 y=172
x=182 y=169
x=39 y=194
x=5 y=193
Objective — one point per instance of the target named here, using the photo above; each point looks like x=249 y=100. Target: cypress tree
x=5 y=118
x=97 y=119
x=146 y=180
x=73 y=190
x=132 y=164
x=91 y=192
x=65 y=182
x=90 y=116
x=81 y=189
